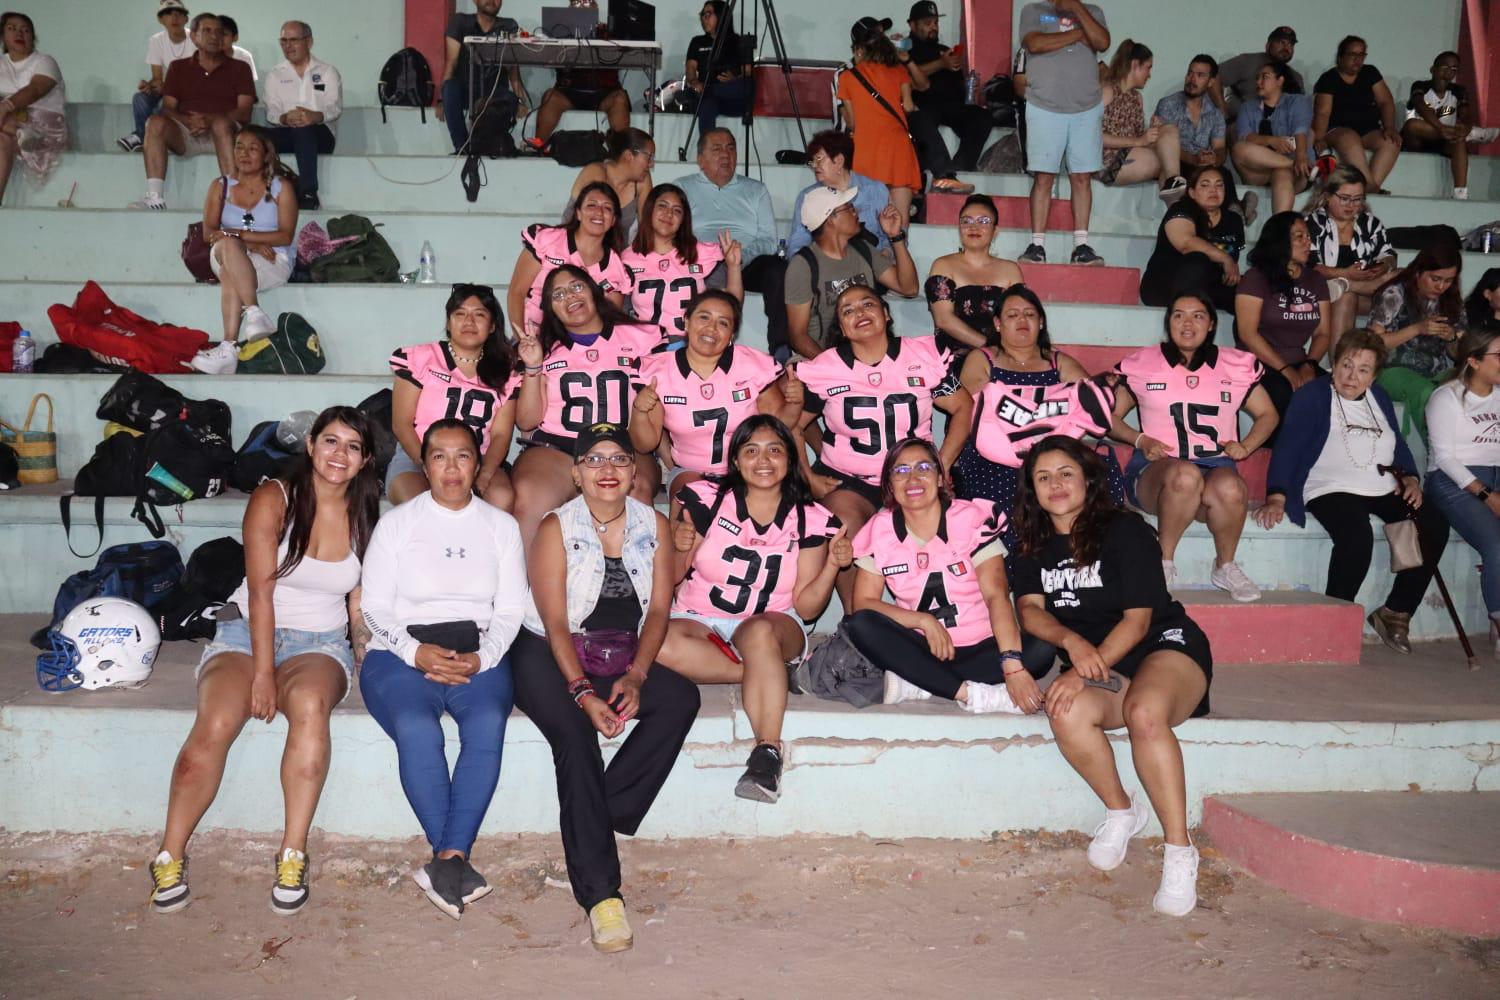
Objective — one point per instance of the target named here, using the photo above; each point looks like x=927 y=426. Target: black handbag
x=461 y=637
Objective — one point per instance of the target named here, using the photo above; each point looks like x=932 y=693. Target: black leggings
x=902 y=651
x=1192 y=272
x=1346 y=518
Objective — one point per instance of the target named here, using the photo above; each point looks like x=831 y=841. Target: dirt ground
x=1019 y=915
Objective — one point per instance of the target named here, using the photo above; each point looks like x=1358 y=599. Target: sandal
x=951 y=185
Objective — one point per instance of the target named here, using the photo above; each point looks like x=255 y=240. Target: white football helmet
x=104 y=642
x=666 y=97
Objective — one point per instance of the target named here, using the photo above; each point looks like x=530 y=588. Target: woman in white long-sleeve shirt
x=1463 y=428
x=444 y=593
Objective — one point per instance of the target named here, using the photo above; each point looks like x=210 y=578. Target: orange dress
x=882 y=150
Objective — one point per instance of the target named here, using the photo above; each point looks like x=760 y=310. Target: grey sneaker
x=1034 y=254
x=130 y=143
x=1231 y=577
x=1084 y=254
x=440 y=880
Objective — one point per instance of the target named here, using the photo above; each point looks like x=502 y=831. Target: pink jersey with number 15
x=1192 y=409
x=701 y=414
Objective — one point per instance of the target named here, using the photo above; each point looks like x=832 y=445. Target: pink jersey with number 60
x=701 y=414
x=591 y=383
x=1193 y=409
x=664 y=283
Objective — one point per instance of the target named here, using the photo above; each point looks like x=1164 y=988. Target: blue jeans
x=456 y=111
x=1475 y=523
x=722 y=97
x=410 y=708
x=143 y=105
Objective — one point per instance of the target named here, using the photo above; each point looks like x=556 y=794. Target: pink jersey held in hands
x=868 y=408
x=938 y=576
x=742 y=568
x=664 y=283
x=1009 y=419
x=553 y=246
x=589 y=384
x=1195 y=409
x=701 y=415
x=447 y=393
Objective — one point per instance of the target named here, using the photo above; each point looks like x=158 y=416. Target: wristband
x=580 y=689
x=1138 y=437
x=898 y=238
x=533 y=371
x=1483 y=494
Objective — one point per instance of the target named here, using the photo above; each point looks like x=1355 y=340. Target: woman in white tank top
x=282 y=642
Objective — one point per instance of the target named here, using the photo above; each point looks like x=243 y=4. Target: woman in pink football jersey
x=591 y=241
x=755 y=554
x=1189 y=393
x=470 y=376
x=668 y=265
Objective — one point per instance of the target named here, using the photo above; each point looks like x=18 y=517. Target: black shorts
x=853 y=484
x=586 y=98
x=557 y=442
x=1417 y=144
x=1180 y=634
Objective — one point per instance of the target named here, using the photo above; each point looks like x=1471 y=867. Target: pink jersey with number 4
x=553 y=247
x=1193 y=409
x=868 y=408
x=448 y=393
x=701 y=414
x=664 y=283
x=591 y=383
x=742 y=568
x=940 y=575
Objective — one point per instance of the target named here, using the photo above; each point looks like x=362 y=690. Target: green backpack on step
x=369 y=258
x=294 y=349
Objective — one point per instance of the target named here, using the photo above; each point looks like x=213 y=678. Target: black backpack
x=143 y=403
x=183 y=461
x=406 y=82
x=261 y=457
x=213 y=572
x=377 y=407
x=143 y=572
x=576 y=149
x=489 y=134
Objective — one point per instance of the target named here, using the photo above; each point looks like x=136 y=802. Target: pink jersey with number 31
x=1192 y=410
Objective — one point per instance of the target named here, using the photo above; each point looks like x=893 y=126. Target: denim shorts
x=1138 y=463
x=401 y=463
x=725 y=627
x=234 y=637
x=1052 y=138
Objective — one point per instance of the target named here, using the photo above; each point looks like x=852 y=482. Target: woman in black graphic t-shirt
x=1087 y=578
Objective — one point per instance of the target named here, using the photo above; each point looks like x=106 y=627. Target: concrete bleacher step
x=1284 y=626
x=1107 y=285
x=1417 y=858
x=1014 y=211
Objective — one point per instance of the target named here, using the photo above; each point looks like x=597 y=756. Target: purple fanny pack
x=606 y=652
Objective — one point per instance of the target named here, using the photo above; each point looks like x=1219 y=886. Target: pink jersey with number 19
x=664 y=283
x=447 y=392
x=701 y=414
x=1192 y=409
x=592 y=383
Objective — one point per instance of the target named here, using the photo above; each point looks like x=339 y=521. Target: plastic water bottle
x=427 y=265
x=292 y=431
x=1486 y=248
x=23 y=353
x=971 y=87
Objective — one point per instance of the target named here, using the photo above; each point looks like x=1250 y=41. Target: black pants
x=1193 y=272
x=973 y=126
x=596 y=802
x=1346 y=518
x=767 y=274
x=306 y=143
x=903 y=652
x=1279 y=388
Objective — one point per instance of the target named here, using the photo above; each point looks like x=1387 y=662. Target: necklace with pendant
x=603 y=526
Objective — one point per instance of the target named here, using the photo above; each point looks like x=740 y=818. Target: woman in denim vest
x=601 y=582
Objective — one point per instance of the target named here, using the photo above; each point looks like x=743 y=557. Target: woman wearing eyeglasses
x=669 y=266
x=629 y=155
x=601 y=583
x=591 y=242
x=964 y=288
x=1348 y=244
x=580 y=369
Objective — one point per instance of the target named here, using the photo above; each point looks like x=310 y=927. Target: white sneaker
x=1460 y=194
x=221 y=359
x=154 y=202
x=1248 y=205
x=1178 y=894
x=1107 y=849
x=1233 y=579
x=1484 y=135
x=1339 y=287
x=985 y=698
x=255 y=324
x=1169 y=570
x=899 y=689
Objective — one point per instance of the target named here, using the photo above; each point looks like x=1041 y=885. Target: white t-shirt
x=244 y=56
x=162 y=51
x=1359 y=440
x=1463 y=430
x=15 y=75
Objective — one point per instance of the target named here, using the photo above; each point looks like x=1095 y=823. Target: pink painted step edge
x=1357 y=883
x=1014 y=211
x=1267 y=632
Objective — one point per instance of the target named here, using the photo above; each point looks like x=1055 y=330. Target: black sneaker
x=290 y=892
x=471 y=884
x=169 y=887
x=441 y=880
x=761 y=781
x=1084 y=254
x=309 y=202
x=1034 y=254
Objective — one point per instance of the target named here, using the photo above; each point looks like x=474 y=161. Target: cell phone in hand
x=1112 y=683
x=724 y=647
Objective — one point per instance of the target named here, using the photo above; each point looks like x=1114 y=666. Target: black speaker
x=632 y=21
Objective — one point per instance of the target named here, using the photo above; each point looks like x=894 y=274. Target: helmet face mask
x=104 y=642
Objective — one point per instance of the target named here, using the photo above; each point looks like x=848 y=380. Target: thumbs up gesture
x=646 y=399
x=792 y=388
x=683 y=533
x=840 y=549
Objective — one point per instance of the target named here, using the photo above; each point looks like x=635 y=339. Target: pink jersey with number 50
x=664 y=283
x=701 y=414
x=1193 y=409
x=591 y=383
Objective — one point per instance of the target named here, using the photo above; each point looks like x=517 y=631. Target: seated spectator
x=304 y=98
x=724 y=200
x=601 y=584
x=591 y=241
x=1202 y=130
x=250 y=225
x=1133 y=151
x=874 y=96
x=1440 y=119
x=1354 y=112
x=468 y=376
x=205 y=100
x=964 y=289
x=162 y=50
x=1281 y=310
x=829 y=154
x=232 y=45
x=1273 y=137
x=32 y=103
x=1370 y=471
x=669 y=268
x=1482 y=307
x=839 y=257
x=756 y=557
x=628 y=158
x=1239 y=76
x=443 y=592
x=949 y=629
x=731 y=88
x=1420 y=316
x=1189 y=393
x=1349 y=244
x=1198 y=245
x=454 y=98
x=585 y=89
x=1086 y=581
x=943 y=102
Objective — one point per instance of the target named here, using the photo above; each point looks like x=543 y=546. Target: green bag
x=369 y=258
x=293 y=349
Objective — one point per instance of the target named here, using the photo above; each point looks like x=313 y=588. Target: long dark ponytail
x=362 y=494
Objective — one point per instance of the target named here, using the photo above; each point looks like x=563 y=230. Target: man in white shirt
x=163 y=49
x=231 y=42
x=304 y=97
